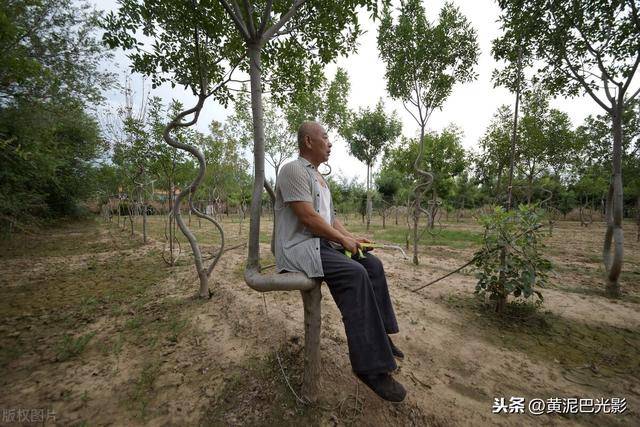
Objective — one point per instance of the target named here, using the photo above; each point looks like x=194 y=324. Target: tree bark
x=614 y=239
x=171 y=222
x=144 y=223
x=287 y=281
x=434 y=210
x=144 y=214
x=638 y=219
x=312 y=326
x=529 y=187
x=418 y=200
x=369 y=204
x=130 y=215
x=253 y=259
x=203 y=272
x=502 y=296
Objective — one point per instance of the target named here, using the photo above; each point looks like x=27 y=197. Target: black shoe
x=384 y=386
x=395 y=350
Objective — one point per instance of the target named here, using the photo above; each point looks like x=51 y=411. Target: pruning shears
x=369 y=246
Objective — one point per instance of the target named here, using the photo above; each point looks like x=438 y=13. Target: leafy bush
x=510 y=262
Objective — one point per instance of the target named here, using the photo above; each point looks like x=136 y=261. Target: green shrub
x=510 y=262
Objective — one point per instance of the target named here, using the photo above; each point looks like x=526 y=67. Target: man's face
x=318 y=144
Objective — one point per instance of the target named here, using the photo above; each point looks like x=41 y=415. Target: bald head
x=313 y=142
x=310 y=129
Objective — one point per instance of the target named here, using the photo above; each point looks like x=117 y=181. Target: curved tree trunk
x=203 y=272
x=419 y=190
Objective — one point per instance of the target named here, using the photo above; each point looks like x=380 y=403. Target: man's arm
x=338 y=226
x=319 y=227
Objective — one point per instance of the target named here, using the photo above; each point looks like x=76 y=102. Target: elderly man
x=309 y=238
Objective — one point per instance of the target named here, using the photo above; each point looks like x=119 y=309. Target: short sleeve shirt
x=296 y=248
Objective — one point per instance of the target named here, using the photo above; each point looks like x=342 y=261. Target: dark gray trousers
x=359 y=288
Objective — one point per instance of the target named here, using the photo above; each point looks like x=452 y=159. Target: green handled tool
x=372 y=246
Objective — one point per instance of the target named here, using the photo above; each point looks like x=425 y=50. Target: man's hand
x=360 y=239
x=349 y=244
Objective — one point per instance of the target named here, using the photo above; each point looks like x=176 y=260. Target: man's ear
x=307 y=142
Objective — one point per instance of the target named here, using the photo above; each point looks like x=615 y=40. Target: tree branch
x=634 y=14
x=268 y=34
x=237 y=20
x=287 y=31
x=409 y=111
x=632 y=73
x=631 y=98
x=574 y=71
x=596 y=55
x=584 y=84
x=249 y=8
x=266 y=13
x=227 y=80
x=238 y=13
x=606 y=89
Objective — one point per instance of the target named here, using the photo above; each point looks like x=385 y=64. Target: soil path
x=96 y=329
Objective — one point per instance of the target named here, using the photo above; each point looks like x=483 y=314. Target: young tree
x=546 y=138
x=193 y=44
x=494 y=156
x=227 y=169
x=368 y=133
x=328 y=104
x=444 y=157
x=388 y=184
x=423 y=63
x=582 y=46
x=200 y=42
x=593 y=156
x=131 y=154
x=279 y=144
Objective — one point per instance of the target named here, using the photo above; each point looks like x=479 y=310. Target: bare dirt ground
x=97 y=330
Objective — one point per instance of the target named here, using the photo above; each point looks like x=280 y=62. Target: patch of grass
x=256 y=394
x=9 y=351
x=143 y=388
x=89 y=306
x=112 y=345
x=133 y=323
x=176 y=326
x=84 y=398
x=547 y=337
x=265 y=237
x=70 y=347
x=157 y=323
x=69 y=238
x=115 y=280
x=455 y=238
